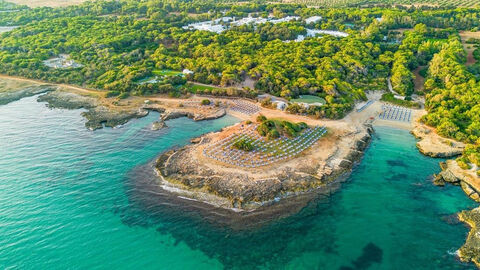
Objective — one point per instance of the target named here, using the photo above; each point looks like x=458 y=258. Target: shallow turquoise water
x=66 y=202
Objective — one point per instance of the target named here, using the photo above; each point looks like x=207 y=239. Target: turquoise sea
x=69 y=200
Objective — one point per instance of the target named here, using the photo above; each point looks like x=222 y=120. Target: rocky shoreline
x=97 y=115
x=10 y=96
x=433 y=145
x=182 y=172
x=102 y=112
x=470 y=251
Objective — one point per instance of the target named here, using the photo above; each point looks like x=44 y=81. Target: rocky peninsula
x=187 y=172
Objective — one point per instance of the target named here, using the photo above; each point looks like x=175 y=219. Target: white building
x=313 y=19
x=187 y=71
x=280 y=105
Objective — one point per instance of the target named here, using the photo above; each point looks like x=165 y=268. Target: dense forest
x=120 y=43
x=141 y=47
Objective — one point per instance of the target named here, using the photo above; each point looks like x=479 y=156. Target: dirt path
x=419 y=81
x=469 y=48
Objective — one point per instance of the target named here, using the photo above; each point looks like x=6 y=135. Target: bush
x=112 y=94
x=123 y=95
x=206 y=102
x=244 y=145
x=273 y=134
x=267 y=103
x=463 y=163
x=275 y=128
x=261 y=118
x=263 y=129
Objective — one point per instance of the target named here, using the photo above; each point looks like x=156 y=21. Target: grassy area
x=274 y=128
x=309 y=99
x=166 y=72
x=146 y=79
x=199 y=87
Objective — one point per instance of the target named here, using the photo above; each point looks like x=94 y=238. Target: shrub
x=463 y=163
x=112 y=94
x=261 y=118
x=244 y=145
x=206 y=102
x=273 y=134
x=123 y=95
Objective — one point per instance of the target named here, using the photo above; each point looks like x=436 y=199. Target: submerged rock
x=157 y=125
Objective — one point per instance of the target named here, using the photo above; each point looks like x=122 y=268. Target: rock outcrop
x=10 y=96
x=157 y=125
x=433 y=145
x=470 y=251
x=467 y=179
x=97 y=115
x=196 y=116
x=186 y=170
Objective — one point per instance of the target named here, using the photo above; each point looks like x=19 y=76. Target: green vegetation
x=164 y=72
x=406 y=3
x=273 y=128
x=244 y=144
x=390 y=98
x=309 y=99
x=140 y=48
x=453 y=99
x=206 y=102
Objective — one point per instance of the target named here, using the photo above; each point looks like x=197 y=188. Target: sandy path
x=469 y=48
x=419 y=81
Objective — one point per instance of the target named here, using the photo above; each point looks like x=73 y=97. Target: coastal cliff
x=184 y=171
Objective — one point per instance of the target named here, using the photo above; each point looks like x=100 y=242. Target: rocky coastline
x=28 y=91
x=470 y=251
x=433 y=145
x=183 y=172
x=97 y=114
